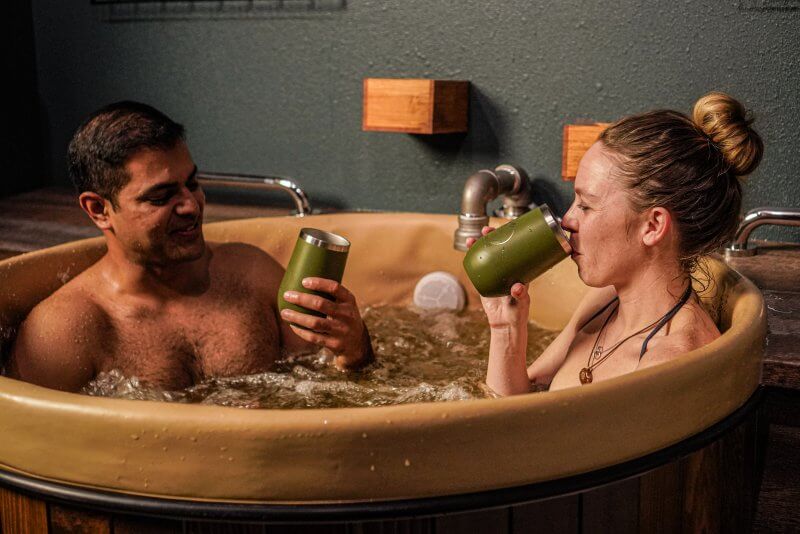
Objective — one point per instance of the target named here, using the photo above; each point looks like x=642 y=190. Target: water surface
x=420 y=356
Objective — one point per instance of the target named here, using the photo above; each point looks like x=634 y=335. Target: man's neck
x=649 y=294
x=160 y=281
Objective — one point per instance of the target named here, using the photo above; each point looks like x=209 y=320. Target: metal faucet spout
x=755 y=218
x=251 y=181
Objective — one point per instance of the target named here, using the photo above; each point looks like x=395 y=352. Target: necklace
x=596 y=356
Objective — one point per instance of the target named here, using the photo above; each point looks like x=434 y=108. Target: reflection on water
x=421 y=356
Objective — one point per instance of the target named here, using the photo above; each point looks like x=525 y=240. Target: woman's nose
x=568 y=222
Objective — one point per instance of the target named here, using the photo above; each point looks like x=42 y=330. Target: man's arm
x=56 y=345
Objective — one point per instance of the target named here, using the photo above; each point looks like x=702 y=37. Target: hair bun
x=723 y=119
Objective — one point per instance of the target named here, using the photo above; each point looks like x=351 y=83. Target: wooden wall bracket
x=416 y=106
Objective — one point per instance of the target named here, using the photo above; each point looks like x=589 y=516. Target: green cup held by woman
x=316 y=253
x=518 y=251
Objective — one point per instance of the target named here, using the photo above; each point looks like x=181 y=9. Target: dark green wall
x=21 y=153
x=279 y=92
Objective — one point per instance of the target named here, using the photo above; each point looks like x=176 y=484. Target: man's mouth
x=188 y=231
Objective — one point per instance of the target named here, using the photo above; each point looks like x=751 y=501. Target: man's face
x=160 y=210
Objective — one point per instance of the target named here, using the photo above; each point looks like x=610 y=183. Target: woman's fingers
x=487 y=229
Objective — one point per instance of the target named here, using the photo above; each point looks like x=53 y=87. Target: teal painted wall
x=278 y=91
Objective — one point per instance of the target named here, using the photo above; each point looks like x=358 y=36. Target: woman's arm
x=508 y=323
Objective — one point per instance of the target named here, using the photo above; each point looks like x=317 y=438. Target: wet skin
x=167 y=307
x=618 y=252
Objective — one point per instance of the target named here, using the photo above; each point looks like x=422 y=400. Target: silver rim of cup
x=556 y=228
x=323 y=239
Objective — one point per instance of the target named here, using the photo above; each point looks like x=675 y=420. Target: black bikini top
x=664 y=320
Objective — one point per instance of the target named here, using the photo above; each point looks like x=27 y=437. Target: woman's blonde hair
x=692 y=167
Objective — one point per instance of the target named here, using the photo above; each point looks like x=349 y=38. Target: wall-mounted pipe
x=249 y=181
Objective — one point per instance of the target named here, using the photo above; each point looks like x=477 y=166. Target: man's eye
x=158 y=201
x=193 y=185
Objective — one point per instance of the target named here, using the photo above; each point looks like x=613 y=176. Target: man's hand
x=341 y=330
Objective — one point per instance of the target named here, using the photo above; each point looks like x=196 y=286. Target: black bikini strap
x=670 y=314
x=599 y=313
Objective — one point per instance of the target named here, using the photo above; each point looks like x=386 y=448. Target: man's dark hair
x=109 y=137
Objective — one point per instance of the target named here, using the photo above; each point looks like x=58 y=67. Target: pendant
x=598 y=351
x=585 y=376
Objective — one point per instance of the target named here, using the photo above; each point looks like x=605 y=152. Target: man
x=162 y=304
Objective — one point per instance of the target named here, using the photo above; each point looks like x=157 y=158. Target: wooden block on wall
x=577 y=140
x=415 y=106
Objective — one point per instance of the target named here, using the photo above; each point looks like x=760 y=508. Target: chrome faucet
x=250 y=181
x=755 y=218
x=483 y=187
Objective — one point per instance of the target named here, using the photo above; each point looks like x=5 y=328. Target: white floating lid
x=439 y=290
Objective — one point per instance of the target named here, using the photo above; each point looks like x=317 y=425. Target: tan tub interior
x=362 y=454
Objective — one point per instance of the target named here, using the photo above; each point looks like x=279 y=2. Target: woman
x=653 y=194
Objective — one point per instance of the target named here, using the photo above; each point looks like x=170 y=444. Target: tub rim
x=748 y=329
x=126 y=502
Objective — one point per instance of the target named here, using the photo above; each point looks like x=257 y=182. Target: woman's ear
x=657 y=226
x=97 y=208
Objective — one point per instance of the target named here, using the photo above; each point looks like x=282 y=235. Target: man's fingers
x=318 y=324
x=330 y=342
x=312 y=302
x=332 y=287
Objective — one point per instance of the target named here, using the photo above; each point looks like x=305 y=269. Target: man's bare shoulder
x=251 y=263
x=55 y=344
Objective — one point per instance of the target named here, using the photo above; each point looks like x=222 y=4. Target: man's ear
x=657 y=226
x=97 y=208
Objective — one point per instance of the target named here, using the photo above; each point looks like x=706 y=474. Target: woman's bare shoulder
x=691 y=329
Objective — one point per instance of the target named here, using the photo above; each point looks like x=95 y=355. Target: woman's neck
x=650 y=293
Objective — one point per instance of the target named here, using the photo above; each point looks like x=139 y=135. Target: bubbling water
x=421 y=356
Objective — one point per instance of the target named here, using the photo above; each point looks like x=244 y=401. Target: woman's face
x=602 y=223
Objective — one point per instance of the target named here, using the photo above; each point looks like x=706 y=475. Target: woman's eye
x=583 y=207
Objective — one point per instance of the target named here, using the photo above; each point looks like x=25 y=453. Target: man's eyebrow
x=167 y=185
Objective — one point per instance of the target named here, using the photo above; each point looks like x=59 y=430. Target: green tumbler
x=518 y=251
x=316 y=253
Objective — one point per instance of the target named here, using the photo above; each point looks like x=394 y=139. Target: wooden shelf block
x=415 y=106
x=577 y=140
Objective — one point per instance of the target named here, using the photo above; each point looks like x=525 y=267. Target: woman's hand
x=341 y=330
x=508 y=322
x=508 y=311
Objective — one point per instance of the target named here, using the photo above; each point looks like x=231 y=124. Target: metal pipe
x=250 y=181
x=483 y=187
x=755 y=218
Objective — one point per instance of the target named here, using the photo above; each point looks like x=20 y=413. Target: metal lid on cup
x=326 y=240
x=551 y=221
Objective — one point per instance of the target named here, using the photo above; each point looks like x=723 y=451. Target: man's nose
x=189 y=204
